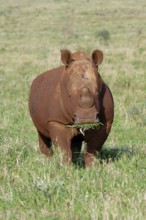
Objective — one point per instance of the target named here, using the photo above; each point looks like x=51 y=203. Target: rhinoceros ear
x=97 y=57
x=66 y=56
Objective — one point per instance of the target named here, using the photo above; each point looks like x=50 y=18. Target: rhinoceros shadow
x=114 y=154
x=106 y=155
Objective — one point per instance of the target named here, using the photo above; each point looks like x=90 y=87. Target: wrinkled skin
x=72 y=94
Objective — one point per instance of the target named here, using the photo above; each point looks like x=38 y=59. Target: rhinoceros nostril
x=74 y=117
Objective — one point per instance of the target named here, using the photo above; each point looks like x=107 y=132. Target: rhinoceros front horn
x=86 y=100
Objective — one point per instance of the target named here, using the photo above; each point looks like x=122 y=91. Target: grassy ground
x=31 y=35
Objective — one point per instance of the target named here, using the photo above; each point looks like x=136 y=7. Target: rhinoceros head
x=82 y=84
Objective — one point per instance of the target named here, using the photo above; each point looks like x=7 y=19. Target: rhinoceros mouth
x=84 y=127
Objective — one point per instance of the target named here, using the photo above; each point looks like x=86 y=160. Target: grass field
x=31 y=36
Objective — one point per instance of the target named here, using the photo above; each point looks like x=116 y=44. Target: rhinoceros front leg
x=45 y=145
x=95 y=140
x=61 y=137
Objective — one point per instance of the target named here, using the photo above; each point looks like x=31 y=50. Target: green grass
x=32 y=34
x=85 y=127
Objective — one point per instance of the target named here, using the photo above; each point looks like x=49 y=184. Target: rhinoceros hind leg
x=45 y=145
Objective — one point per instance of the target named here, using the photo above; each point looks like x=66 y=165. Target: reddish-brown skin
x=72 y=94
